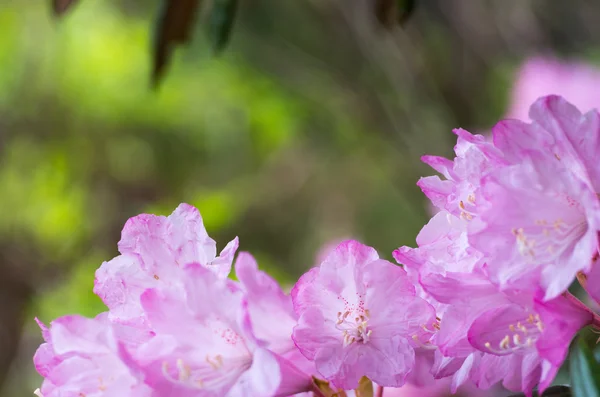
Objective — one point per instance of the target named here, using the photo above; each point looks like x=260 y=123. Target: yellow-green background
x=306 y=130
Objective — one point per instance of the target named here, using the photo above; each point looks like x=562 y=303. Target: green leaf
x=59 y=7
x=584 y=370
x=220 y=23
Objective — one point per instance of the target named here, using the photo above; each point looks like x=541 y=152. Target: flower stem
x=379 y=391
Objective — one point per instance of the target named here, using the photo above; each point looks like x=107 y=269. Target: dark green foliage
x=553 y=391
x=222 y=16
x=392 y=12
x=584 y=370
x=176 y=20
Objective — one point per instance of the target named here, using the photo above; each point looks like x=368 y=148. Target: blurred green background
x=308 y=129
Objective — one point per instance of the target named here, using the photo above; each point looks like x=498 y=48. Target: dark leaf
x=221 y=21
x=584 y=370
x=392 y=12
x=384 y=10
x=553 y=391
x=59 y=7
x=405 y=10
x=174 y=26
x=558 y=391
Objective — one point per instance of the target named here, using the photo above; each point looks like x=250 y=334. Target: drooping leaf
x=59 y=7
x=222 y=16
x=173 y=27
x=558 y=391
x=552 y=391
x=405 y=10
x=392 y=12
x=584 y=370
x=321 y=388
x=365 y=388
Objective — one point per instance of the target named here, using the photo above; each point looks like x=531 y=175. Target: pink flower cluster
x=482 y=300
x=574 y=80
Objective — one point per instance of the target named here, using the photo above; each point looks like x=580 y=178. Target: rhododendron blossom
x=83 y=357
x=534 y=214
x=153 y=250
x=205 y=344
x=270 y=312
x=359 y=316
x=484 y=334
x=481 y=302
x=502 y=259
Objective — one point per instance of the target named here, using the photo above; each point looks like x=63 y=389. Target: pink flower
x=271 y=312
x=541 y=223
x=530 y=197
x=457 y=194
x=153 y=251
x=448 y=270
x=204 y=344
x=359 y=316
x=83 y=357
x=539 y=76
x=483 y=334
x=575 y=141
x=445 y=261
x=327 y=249
x=537 y=337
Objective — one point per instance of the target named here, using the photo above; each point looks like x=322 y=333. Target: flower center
x=547 y=241
x=523 y=335
x=214 y=375
x=354 y=326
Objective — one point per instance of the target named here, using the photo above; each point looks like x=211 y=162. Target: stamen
x=102 y=387
x=217 y=363
x=523 y=335
x=516 y=339
x=354 y=331
x=531 y=319
x=465 y=215
x=183 y=373
x=184 y=370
